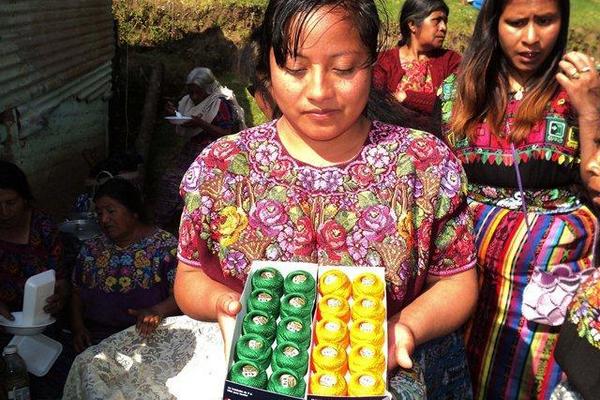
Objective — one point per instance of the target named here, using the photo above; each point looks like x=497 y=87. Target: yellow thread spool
x=366 y=357
x=335 y=282
x=366 y=384
x=330 y=357
x=328 y=384
x=367 y=284
x=332 y=330
x=368 y=307
x=367 y=331
x=334 y=306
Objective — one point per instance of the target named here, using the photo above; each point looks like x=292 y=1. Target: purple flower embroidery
x=378 y=157
x=358 y=245
x=376 y=222
x=285 y=238
x=268 y=216
x=206 y=203
x=328 y=181
x=235 y=262
x=191 y=177
x=306 y=178
x=450 y=184
x=266 y=153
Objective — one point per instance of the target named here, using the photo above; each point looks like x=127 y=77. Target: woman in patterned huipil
x=414 y=69
x=125 y=276
x=520 y=116
x=326 y=184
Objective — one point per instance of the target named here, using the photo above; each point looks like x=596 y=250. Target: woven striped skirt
x=509 y=357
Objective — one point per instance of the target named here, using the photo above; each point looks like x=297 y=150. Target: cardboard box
x=235 y=391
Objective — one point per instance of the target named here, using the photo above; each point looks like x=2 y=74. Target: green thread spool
x=300 y=282
x=289 y=355
x=255 y=348
x=294 y=329
x=296 y=305
x=260 y=323
x=264 y=300
x=285 y=381
x=248 y=373
x=268 y=278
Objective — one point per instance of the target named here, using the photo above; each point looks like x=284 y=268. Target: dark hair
x=125 y=193
x=259 y=83
x=13 y=178
x=483 y=85
x=278 y=33
x=416 y=11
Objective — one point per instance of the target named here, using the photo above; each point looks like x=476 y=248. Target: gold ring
x=574 y=75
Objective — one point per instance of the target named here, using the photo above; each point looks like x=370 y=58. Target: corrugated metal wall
x=55 y=80
x=51 y=51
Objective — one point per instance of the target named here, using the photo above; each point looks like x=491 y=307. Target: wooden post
x=144 y=137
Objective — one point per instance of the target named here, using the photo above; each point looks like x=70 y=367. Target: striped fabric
x=510 y=357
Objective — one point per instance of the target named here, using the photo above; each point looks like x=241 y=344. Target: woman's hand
x=400 y=95
x=170 y=108
x=148 y=320
x=227 y=307
x=56 y=302
x=581 y=80
x=196 y=121
x=5 y=312
x=401 y=344
x=81 y=338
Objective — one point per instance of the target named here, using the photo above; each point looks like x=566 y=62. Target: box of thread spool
x=348 y=355
x=283 y=350
x=269 y=356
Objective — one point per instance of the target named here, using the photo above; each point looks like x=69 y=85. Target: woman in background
x=125 y=276
x=519 y=116
x=30 y=244
x=215 y=112
x=414 y=69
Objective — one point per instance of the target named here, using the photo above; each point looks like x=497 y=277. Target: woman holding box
x=327 y=183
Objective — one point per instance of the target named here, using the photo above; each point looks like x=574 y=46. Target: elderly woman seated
x=124 y=277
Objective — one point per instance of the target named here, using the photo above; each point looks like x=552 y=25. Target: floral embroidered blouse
x=584 y=310
x=111 y=279
x=18 y=262
x=399 y=204
x=417 y=77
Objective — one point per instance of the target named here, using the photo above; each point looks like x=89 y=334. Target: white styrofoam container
x=39 y=352
x=37 y=289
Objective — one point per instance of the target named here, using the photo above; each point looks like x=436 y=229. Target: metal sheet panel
x=50 y=50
